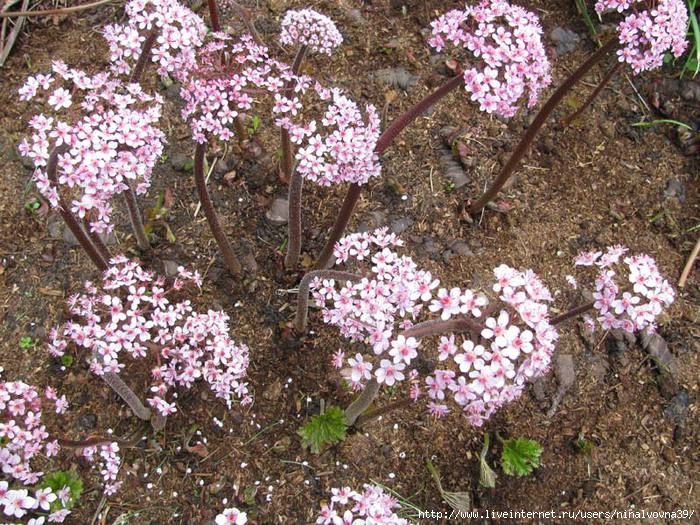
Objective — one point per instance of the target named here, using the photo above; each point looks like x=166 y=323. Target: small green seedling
x=67 y=360
x=327 y=428
x=32 y=205
x=520 y=456
x=60 y=479
x=583 y=445
x=254 y=125
x=26 y=342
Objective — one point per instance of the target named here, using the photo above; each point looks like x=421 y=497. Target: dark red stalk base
x=582 y=309
x=229 y=256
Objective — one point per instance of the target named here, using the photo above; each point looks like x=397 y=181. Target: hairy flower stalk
x=352 y=196
x=649 y=30
x=73 y=225
x=214 y=16
x=540 y=120
x=222 y=241
x=129 y=397
x=135 y=219
x=295 y=180
x=144 y=56
x=311 y=31
x=362 y=402
x=594 y=94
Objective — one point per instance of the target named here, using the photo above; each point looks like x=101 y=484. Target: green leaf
x=169 y=234
x=67 y=360
x=26 y=342
x=662 y=121
x=520 y=456
x=60 y=479
x=324 y=429
x=487 y=477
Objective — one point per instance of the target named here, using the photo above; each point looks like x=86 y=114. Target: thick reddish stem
x=582 y=309
x=229 y=256
x=437 y=327
x=604 y=82
x=296 y=183
x=140 y=65
x=385 y=140
x=97 y=241
x=214 y=15
x=374 y=414
x=135 y=219
x=537 y=124
x=72 y=223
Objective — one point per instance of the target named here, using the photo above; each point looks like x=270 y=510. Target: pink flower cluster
x=635 y=303
x=22 y=435
x=231 y=516
x=22 y=438
x=17 y=503
x=645 y=36
x=372 y=506
x=134 y=313
x=371 y=308
x=506 y=57
x=219 y=83
x=106 y=134
x=343 y=148
x=491 y=364
x=306 y=27
x=179 y=32
x=511 y=349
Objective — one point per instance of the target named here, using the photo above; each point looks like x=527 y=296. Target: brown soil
x=599 y=182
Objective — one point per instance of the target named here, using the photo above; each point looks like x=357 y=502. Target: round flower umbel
x=372 y=505
x=337 y=146
x=22 y=434
x=630 y=291
x=177 y=31
x=223 y=80
x=482 y=364
x=653 y=28
x=306 y=27
x=501 y=49
x=23 y=437
x=135 y=314
x=104 y=132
